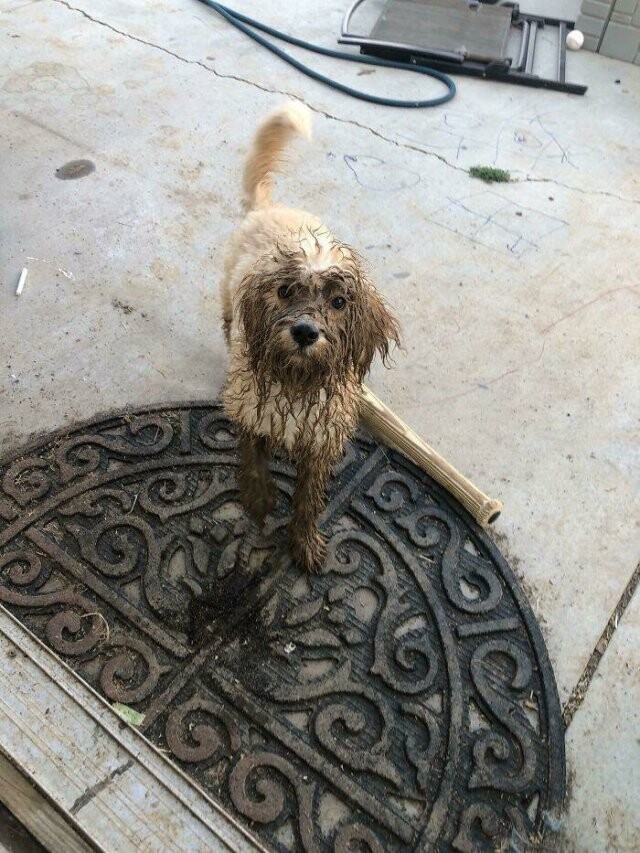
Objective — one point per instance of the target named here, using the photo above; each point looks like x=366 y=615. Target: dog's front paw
x=308 y=549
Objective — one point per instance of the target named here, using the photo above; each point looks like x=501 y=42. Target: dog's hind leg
x=308 y=545
x=227 y=310
x=257 y=489
x=226 y=327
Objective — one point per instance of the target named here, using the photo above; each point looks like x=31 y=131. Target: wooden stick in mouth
x=385 y=425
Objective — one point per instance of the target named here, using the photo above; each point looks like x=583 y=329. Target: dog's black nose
x=304 y=333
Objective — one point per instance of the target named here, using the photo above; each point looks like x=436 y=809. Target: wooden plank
x=101 y=776
x=34 y=812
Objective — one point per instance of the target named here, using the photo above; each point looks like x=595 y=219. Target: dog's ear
x=251 y=310
x=373 y=329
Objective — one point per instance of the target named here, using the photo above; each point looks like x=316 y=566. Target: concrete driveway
x=518 y=302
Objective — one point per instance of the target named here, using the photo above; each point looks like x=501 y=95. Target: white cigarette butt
x=23 y=278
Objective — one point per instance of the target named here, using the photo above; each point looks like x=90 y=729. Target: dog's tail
x=266 y=156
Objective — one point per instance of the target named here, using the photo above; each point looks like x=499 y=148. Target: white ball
x=575 y=40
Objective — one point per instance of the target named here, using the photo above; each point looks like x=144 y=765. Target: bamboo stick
x=384 y=424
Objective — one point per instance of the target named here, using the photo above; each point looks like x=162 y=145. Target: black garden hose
x=249 y=25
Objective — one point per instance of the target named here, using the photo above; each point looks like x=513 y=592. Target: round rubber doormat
x=400 y=700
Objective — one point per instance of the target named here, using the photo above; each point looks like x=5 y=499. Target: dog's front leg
x=257 y=489
x=308 y=545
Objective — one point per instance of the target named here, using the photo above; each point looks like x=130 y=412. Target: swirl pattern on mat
x=400 y=700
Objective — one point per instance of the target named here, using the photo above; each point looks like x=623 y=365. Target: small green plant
x=490 y=175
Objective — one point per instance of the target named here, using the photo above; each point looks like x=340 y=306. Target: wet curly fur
x=303 y=323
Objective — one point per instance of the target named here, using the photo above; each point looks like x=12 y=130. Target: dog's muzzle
x=305 y=333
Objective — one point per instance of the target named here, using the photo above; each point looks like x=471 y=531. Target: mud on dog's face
x=309 y=321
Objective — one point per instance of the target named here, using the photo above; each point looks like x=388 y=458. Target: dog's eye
x=338 y=302
x=284 y=291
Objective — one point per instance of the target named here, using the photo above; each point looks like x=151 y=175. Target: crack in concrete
x=91 y=792
x=580 y=690
x=330 y=116
x=574 y=189
x=262 y=88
